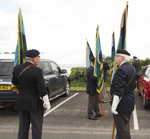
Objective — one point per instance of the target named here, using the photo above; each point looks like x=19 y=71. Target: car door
x=49 y=77
x=58 y=81
x=146 y=80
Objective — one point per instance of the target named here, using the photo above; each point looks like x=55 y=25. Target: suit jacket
x=105 y=68
x=137 y=65
x=122 y=76
x=91 y=82
x=31 y=86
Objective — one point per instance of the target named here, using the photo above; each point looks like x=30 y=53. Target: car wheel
x=67 y=89
x=139 y=93
x=48 y=93
x=144 y=101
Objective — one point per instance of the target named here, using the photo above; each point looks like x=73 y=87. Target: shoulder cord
x=24 y=71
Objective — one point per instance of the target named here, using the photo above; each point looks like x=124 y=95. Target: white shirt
x=123 y=63
x=31 y=62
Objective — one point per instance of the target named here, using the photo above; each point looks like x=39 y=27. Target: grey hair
x=126 y=57
x=28 y=58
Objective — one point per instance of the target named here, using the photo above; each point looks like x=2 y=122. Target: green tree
x=6 y=53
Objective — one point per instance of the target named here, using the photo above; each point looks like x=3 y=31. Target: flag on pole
x=112 y=54
x=89 y=55
x=21 y=47
x=122 y=45
x=98 y=64
x=123 y=30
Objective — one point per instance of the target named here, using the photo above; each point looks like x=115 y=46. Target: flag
x=112 y=54
x=123 y=30
x=21 y=47
x=89 y=55
x=122 y=45
x=98 y=64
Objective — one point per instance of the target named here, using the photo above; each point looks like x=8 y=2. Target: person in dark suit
x=137 y=65
x=93 y=103
x=123 y=98
x=105 y=68
x=32 y=98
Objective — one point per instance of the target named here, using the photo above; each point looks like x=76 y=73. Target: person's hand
x=115 y=104
x=46 y=103
x=113 y=110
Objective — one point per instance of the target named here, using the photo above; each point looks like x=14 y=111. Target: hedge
x=78 y=77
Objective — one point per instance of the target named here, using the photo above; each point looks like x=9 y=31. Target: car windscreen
x=6 y=68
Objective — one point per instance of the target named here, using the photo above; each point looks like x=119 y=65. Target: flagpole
x=108 y=93
x=113 y=130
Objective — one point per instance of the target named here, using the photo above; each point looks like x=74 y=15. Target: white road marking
x=135 y=120
x=59 y=105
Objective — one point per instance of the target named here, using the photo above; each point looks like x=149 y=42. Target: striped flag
x=112 y=54
x=122 y=45
x=89 y=55
x=21 y=47
x=123 y=30
x=98 y=64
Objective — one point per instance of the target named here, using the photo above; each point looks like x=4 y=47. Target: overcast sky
x=62 y=26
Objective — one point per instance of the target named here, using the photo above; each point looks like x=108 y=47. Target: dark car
x=57 y=81
x=144 y=86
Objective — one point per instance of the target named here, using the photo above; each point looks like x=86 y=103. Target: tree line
x=143 y=62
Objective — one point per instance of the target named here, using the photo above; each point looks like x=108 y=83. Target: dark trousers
x=122 y=125
x=93 y=105
x=137 y=84
x=36 y=120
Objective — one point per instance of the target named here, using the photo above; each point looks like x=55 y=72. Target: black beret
x=92 y=59
x=123 y=52
x=134 y=57
x=32 y=53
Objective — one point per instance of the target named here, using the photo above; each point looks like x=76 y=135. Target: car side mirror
x=63 y=71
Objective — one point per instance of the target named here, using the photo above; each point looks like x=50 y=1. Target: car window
x=46 y=67
x=6 y=68
x=147 y=72
x=55 y=68
x=40 y=65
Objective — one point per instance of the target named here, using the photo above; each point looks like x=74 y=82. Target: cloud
x=59 y=26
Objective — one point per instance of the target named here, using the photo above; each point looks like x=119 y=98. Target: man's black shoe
x=104 y=101
x=99 y=115
x=92 y=118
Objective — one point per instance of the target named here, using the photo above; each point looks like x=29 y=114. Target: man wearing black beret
x=32 y=98
x=122 y=92
x=137 y=65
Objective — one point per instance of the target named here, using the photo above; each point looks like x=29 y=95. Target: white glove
x=115 y=104
x=46 y=103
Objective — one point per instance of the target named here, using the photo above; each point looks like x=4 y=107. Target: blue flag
x=123 y=30
x=21 y=47
x=122 y=45
x=89 y=55
x=98 y=63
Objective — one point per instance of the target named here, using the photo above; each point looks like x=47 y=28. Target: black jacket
x=137 y=65
x=105 y=68
x=91 y=82
x=120 y=79
x=31 y=86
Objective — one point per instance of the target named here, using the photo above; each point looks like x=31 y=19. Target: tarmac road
x=68 y=120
